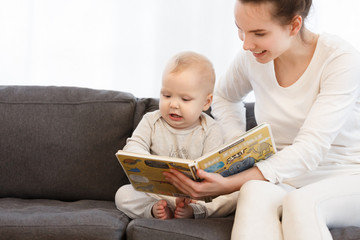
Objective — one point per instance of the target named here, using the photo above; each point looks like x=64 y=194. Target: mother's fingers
x=180 y=176
x=181 y=182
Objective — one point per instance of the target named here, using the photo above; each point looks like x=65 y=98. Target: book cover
x=145 y=172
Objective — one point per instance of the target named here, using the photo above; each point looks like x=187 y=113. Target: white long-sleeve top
x=315 y=122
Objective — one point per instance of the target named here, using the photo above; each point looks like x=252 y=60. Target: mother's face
x=261 y=34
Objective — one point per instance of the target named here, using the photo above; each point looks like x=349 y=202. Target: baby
x=178 y=129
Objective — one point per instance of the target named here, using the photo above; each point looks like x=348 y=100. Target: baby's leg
x=135 y=204
x=220 y=206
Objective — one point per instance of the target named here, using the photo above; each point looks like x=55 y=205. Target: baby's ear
x=208 y=102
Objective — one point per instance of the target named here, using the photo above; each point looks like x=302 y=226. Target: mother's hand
x=213 y=184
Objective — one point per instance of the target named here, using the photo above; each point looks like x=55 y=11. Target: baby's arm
x=140 y=141
x=214 y=138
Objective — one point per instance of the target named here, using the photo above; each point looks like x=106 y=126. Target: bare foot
x=161 y=210
x=183 y=209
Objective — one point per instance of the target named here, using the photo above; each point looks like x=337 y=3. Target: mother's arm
x=231 y=89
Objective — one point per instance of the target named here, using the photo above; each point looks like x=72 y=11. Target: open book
x=145 y=171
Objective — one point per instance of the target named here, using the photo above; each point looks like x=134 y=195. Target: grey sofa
x=59 y=174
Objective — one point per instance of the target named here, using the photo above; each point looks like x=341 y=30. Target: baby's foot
x=183 y=209
x=161 y=210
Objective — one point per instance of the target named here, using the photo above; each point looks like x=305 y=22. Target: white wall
x=124 y=45
x=337 y=17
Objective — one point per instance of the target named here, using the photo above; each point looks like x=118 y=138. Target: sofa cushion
x=51 y=219
x=346 y=233
x=204 y=229
x=180 y=229
x=60 y=142
x=250 y=115
x=143 y=106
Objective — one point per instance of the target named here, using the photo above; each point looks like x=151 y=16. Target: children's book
x=145 y=172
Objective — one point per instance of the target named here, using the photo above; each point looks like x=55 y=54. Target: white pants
x=137 y=204
x=266 y=211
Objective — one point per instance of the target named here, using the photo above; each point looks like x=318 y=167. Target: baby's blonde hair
x=192 y=60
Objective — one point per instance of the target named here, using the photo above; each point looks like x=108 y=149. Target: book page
x=256 y=145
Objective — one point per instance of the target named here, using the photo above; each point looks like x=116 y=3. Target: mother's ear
x=296 y=25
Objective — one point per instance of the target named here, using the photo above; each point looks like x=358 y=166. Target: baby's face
x=183 y=98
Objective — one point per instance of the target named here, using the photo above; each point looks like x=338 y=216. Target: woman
x=307 y=86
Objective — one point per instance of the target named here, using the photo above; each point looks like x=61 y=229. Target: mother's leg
x=309 y=211
x=258 y=212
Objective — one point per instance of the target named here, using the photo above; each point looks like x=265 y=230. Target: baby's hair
x=188 y=59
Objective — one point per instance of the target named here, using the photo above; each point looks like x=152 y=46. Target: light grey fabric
x=51 y=219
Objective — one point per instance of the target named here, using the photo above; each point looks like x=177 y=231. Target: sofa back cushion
x=60 y=142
